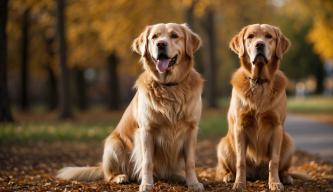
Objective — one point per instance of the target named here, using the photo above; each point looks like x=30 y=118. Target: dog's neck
x=262 y=79
x=171 y=84
x=257 y=81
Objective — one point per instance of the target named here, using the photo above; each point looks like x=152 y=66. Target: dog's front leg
x=274 y=180
x=240 y=145
x=189 y=148
x=147 y=148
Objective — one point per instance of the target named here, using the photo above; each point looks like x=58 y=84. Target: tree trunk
x=113 y=81
x=51 y=85
x=24 y=98
x=80 y=89
x=51 y=88
x=65 y=104
x=5 y=112
x=320 y=77
x=51 y=82
x=189 y=16
x=211 y=67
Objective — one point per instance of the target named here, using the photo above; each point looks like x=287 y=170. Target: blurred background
x=67 y=74
x=71 y=59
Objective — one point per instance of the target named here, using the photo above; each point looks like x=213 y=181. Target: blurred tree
x=65 y=104
x=80 y=85
x=300 y=18
x=301 y=56
x=100 y=30
x=113 y=81
x=51 y=82
x=5 y=111
x=210 y=69
x=29 y=49
x=321 y=31
x=190 y=18
x=24 y=100
x=189 y=12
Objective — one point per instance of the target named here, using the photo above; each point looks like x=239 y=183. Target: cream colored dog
x=157 y=135
x=256 y=145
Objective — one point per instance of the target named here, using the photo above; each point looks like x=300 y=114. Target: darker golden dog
x=156 y=136
x=256 y=145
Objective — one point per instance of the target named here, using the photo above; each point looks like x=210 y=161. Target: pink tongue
x=162 y=65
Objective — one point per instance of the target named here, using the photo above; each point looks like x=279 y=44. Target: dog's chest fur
x=258 y=97
x=170 y=111
x=167 y=105
x=257 y=115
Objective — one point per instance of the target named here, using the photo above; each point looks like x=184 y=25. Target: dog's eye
x=268 y=36
x=154 y=36
x=174 y=36
x=250 y=36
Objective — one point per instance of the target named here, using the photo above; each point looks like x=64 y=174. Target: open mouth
x=163 y=62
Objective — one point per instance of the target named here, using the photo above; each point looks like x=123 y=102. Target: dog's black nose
x=161 y=44
x=260 y=45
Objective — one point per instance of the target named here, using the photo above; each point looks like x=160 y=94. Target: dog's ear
x=282 y=43
x=192 y=40
x=140 y=44
x=237 y=43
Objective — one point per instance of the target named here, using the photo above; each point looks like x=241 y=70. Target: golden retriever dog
x=157 y=135
x=256 y=145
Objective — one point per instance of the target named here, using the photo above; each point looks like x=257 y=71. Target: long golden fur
x=156 y=136
x=256 y=145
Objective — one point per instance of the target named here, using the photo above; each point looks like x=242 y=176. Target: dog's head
x=260 y=48
x=167 y=50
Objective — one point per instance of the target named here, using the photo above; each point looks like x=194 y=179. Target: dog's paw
x=196 y=187
x=146 y=187
x=228 y=178
x=120 y=179
x=239 y=186
x=275 y=186
x=287 y=180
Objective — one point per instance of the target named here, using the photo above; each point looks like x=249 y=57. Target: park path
x=311 y=136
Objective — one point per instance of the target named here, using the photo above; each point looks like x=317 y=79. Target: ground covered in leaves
x=32 y=167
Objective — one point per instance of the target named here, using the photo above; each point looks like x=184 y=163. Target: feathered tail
x=81 y=173
x=302 y=176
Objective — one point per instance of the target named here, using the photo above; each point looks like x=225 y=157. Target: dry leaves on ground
x=31 y=167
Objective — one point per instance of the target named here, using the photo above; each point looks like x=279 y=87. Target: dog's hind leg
x=116 y=166
x=226 y=162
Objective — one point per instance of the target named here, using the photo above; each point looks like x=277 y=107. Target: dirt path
x=31 y=167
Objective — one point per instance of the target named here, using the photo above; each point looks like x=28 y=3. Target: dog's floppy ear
x=140 y=44
x=192 y=40
x=282 y=43
x=237 y=43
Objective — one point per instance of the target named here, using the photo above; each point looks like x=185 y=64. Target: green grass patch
x=59 y=131
x=315 y=104
x=213 y=124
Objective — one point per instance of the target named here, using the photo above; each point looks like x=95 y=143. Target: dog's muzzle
x=164 y=62
x=260 y=56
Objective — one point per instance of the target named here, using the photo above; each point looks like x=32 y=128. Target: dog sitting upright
x=157 y=134
x=256 y=145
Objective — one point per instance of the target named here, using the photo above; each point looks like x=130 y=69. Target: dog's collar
x=257 y=81
x=171 y=84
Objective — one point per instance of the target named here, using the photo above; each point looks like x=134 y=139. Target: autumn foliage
x=99 y=30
